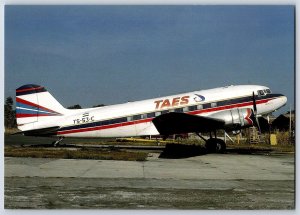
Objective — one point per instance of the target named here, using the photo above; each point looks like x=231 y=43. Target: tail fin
x=34 y=104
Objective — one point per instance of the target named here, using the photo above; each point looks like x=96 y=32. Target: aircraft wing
x=177 y=123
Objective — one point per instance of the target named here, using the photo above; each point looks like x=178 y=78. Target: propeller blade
x=255 y=111
x=258 y=126
x=254 y=103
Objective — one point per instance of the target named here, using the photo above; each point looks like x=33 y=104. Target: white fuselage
x=135 y=118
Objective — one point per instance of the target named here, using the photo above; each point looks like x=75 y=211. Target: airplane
x=229 y=108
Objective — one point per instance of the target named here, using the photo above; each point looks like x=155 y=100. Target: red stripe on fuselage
x=150 y=119
x=22 y=115
x=104 y=126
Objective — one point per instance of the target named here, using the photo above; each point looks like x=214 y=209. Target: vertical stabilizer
x=34 y=104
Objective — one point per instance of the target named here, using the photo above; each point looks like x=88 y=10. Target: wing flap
x=176 y=123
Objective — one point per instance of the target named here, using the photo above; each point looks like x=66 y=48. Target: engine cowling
x=236 y=119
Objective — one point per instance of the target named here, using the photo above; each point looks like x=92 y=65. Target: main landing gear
x=214 y=145
x=56 y=142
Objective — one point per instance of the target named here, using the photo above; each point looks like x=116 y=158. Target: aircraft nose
x=282 y=100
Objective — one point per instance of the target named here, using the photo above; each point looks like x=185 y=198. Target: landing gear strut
x=56 y=143
x=165 y=137
x=214 y=145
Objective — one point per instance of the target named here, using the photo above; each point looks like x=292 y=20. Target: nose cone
x=281 y=101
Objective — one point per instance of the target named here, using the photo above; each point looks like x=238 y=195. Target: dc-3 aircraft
x=230 y=108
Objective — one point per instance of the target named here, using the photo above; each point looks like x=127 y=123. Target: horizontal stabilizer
x=43 y=132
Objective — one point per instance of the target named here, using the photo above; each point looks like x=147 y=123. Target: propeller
x=255 y=111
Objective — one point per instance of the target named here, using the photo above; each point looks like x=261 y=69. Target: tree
x=101 y=105
x=9 y=114
x=75 y=107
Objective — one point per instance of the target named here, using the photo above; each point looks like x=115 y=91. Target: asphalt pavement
x=210 y=181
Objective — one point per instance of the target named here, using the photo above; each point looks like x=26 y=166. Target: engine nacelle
x=236 y=119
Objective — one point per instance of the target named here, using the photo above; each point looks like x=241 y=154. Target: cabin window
x=179 y=110
x=123 y=119
x=260 y=93
x=129 y=118
x=192 y=108
x=143 y=116
x=157 y=113
x=214 y=104
x=267 y=91
x=113 y=121
x=205 y=106
x=150 y=115
x=185 y=109
x=137 y=117
x=199 y=107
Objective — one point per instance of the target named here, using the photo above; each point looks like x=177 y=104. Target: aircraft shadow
x=50 y=145
x=177 y=151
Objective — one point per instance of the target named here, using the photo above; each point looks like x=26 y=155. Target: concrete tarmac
x=212 y=181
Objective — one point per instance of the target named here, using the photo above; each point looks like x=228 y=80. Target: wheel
x=215 y=145
x=220 y=146
x=210 y=145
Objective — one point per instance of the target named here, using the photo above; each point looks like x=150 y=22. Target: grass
x=75 y=154
x=262 y=147
x=11 y=130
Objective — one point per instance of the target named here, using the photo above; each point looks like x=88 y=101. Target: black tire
x=210 y=146
x=215 y=145
x=220 y=146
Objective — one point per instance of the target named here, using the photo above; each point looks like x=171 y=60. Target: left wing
x=176 y=123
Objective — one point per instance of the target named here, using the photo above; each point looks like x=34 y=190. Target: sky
x=92 y=55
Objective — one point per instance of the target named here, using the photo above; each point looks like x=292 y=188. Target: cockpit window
x=267 y=91
x=260 y=93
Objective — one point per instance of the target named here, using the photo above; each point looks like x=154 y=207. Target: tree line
x=9 y=114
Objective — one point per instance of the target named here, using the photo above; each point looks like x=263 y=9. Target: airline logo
x=159 y=104
x=199 y=98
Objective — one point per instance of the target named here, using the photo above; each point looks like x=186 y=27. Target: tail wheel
x=215 y=145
